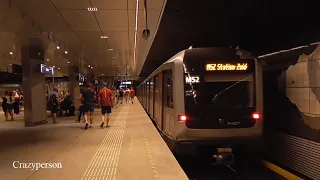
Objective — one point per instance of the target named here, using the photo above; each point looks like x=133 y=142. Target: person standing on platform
x=81 y=113
x=105 y=101
x=88 y=105
x=54 y=100
x=132 y=94
x=16 y=103
x=10 y=105
x=4 y=104
x=127 y=95
x=121 y=92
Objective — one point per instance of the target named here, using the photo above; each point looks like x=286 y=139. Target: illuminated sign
x=227 y=67
x=46 y=69
x=192 y=79
x=10 y=85
x=124 y=83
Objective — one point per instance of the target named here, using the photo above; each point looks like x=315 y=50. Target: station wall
x=292 y=115
x=301 y=84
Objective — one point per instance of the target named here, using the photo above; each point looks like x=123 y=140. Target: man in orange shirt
x=105 y=100
x=132 y=94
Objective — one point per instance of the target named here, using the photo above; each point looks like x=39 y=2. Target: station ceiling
x=70 y=25
x=260 y=27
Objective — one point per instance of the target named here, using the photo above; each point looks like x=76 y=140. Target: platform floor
x=130 y=149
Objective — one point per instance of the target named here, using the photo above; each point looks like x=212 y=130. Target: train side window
x=168 y=89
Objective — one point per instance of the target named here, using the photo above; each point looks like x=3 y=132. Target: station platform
x=131 y=148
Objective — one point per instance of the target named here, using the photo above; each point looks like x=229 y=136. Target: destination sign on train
x=227 y=67
x=192 y=79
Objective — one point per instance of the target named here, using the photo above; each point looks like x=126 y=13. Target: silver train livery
x=206 y=99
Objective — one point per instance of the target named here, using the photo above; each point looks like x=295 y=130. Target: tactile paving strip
x=155 y=173
x=104 y=163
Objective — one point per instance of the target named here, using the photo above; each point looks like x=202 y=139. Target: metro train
x=206 y=99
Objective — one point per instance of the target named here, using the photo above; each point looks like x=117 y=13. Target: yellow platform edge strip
x=280 y=171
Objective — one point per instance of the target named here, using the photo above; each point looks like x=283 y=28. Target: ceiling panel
x=118 y=40
x=34 y=4
x=4 y=9
x=90 y=36
x=4 y=28
x=109 y=4
x=151 y=4
x=49 y=20
x=71 y=4
x=81 y=20
x=67 y=39
x=112 y=18
x=13 y=19
x=114 y=28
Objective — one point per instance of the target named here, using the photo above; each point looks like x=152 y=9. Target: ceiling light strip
x=92 y=9
x=135 y=37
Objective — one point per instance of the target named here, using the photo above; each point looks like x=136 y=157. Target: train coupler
x=223 y=156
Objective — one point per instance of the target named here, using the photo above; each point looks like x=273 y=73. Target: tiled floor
x=130 y=149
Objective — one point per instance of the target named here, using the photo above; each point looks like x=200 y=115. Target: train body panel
x=180 y=97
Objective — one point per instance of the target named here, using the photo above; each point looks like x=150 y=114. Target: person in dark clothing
x=16 y=103
x=67 y=106
x=81 y=113
x=4 y=105
x=10 y=105
x=54 y=100
x=88 y=105
x=121 y=93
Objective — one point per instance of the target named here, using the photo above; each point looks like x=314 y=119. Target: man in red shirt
x=132 y=93
x=105 y=100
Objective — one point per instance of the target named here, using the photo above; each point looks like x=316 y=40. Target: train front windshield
x=223 y=100
x=232 y=93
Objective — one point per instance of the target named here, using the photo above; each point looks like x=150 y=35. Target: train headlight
x=182 y=117
x=256 y=116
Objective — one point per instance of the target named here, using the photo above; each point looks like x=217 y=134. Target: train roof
x=207 y=51
x=210 y=51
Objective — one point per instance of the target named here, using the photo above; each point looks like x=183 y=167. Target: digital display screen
x=192 y=79
x=46 y=69
x=227 y=67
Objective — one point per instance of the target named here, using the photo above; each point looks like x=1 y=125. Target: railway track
x=244 y=168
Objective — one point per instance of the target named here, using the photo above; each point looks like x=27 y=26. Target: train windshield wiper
x=224 y=90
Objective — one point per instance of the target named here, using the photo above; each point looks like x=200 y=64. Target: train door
x=148 y=96
x=142 y=95
x=167 y=99
x=145 y=95
x=151 y=97
x=158 y=100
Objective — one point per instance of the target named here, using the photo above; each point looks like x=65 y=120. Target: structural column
x=32 y=56
x=74 y=84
